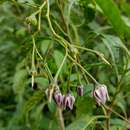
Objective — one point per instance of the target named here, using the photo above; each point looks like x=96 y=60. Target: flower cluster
x=64 y=100
x=100 y=94
x=68 y=100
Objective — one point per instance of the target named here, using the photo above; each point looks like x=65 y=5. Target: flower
x=80 y=90
x=68 y=101
x=101 y=94
x=58 y=97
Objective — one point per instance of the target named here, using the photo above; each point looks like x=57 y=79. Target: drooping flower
x=58 y=97
x=68 y=101
x=80 y=90
x=101 y=94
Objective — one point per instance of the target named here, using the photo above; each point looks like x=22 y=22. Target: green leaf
x=83 y=122
x=125 y=7
x=86 y=102
x=114 y=52
x=116 y=41
x=19 y=80
x=45 y=44
x=112 y=12
x=58 y=56
x=118 y=123
x=42 y=82
x=32 y=101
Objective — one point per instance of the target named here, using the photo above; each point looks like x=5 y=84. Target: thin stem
x=60 y=28
x=60 y=118
x=39 y=21
x=70 y=72
x=40 y=8
x=116 y=113
x=33 y=61
x=49 y=72
x=93 y=51
x=33 y=54
x=64 y=22
x=78 y=74
x=65 y=42
x=107 y=119
x=94 y=80
x=59 y=70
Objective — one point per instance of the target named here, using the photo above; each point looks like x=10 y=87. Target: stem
x=33 y=61
x=33 y=54
x=49 y=72
x=65 y=42
x=93 y=51
x=60 y=118
x=94 y=80
x=109 y=109
x=107 y=119
x=59 y=70
x=64 y=22
x=78 y=74
x=39 y=21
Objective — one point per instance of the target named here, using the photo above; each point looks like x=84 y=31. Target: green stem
x=65 y=42
x=107 y=119
x=94 y=80
x=93 y=51
x=59 y=70
x=60 y=118
x=33 y=61
x=116 y=113
x=49 y=72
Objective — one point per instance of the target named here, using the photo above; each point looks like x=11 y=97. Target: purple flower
x=101 y=94
x=58 y=97
x=80 y=90
x=68 y=101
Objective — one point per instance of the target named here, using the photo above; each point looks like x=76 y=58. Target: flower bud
x=68 y=101
x=58 y=98
x=49 y=93
x=31 y=20
x=101 y=94
x=80 y=90
x=74 y=51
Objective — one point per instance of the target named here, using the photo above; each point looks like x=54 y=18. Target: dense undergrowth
x=58 y=45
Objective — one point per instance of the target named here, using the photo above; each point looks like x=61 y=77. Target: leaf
x=125 y=7
x=118 y=123
x=114 y=52
x=112 y=12
x=32 y=101
x=83 y=122
x=86 y=102
x=19 y=80
x=115 y=47
x=42 y=82
x=116 y=41
x=52 y=106
x=58 y=56
x=45 y=44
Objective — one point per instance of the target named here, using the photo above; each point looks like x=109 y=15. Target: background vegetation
x=93 y=38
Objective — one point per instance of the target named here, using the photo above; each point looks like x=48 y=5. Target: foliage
x=64 y=43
